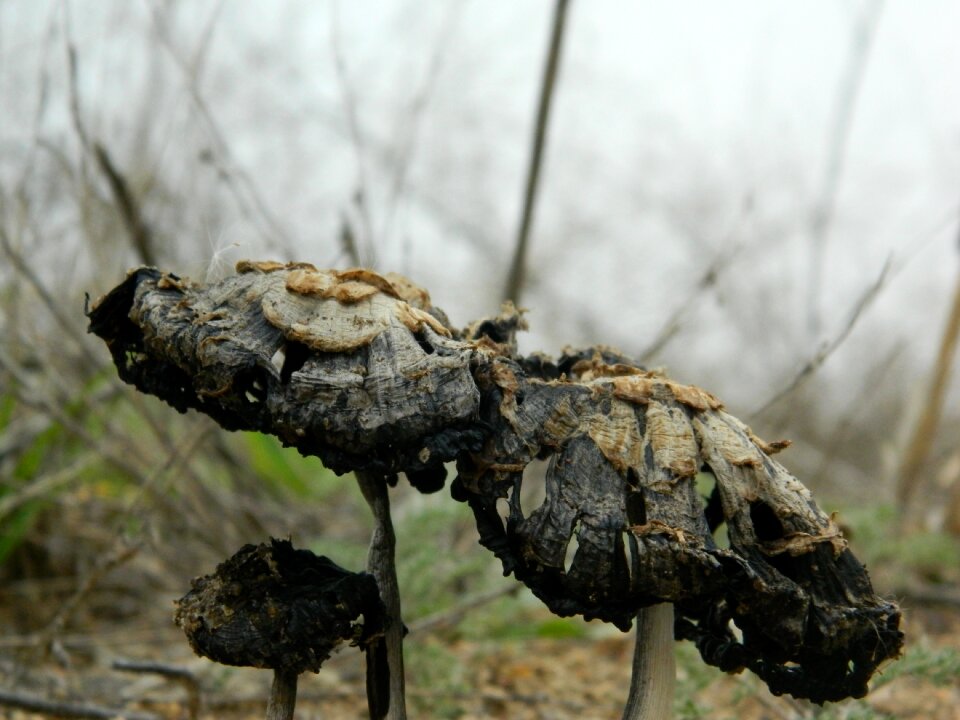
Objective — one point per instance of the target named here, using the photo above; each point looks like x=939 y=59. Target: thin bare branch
x=139 y=233
x=517 y=274
x=918 y=449
x=141 y=237
x=43 y=96
x=53 y=708
x=674 y=323
x=837 y=138
x=453 y=615
x=202 y=51
x=361 y=195
x=828 y=348
x=47 y=639
x=175 y=672
x=852 y=420
x=54 y=411
x=23 y=268
x=409 y=131
x=42 y=486
x=348 y=241
x=241 y=185
x=178 y=456
x=178 y=674
x=929 y=595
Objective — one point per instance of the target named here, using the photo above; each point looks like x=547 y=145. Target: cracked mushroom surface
x=359 y=369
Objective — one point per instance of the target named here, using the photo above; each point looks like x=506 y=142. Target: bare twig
x=53 y=410
x=239 y=182
x=453 y=615
x=361 y=197
x=829 y=347
x=71 y=329
x=53 y=405
x=17 y=436
x=178 y=456
x=409 y=130
x=85 y=641
x=838 y=136
x=53 y=307
x=43 y=97
x=909 y=476
x=140 y=235
x=47 y=638
x=41 y=486
x=139 y=232
x=783 y=707
x=68 y=710
x=176 y=673
x=929 y=595
x=516 y=277
x=674 y=323
x=951 y=521
x=348 y=241
x=850 y=421
x=202 y=51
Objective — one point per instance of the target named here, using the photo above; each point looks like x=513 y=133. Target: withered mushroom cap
x=360 y=377
x=623 y=526
x=273 y=606
x=398 y=390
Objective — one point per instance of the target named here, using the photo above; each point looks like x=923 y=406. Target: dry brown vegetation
x=110 y=501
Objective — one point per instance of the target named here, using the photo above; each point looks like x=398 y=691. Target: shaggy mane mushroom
x=362 y=371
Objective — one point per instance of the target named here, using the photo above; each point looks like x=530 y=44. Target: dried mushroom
x=364 y=379
x=361 y=370
x=273 y=606
x=623 y=526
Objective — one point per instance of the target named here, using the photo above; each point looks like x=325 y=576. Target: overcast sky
x=683 y=134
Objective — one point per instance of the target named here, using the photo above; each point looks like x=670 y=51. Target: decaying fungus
x=625 y=447
x=360 y=370
x=273 y=606
x=365 y=379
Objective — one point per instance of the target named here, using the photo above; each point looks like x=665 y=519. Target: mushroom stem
x=381 y=564
x=654 y=666
x=283 y=695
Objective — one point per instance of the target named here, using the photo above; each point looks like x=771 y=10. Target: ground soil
x=542 y=678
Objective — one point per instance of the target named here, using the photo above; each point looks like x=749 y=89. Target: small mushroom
x=273 y=606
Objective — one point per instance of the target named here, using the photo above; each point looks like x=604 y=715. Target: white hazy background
x=684 y=136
